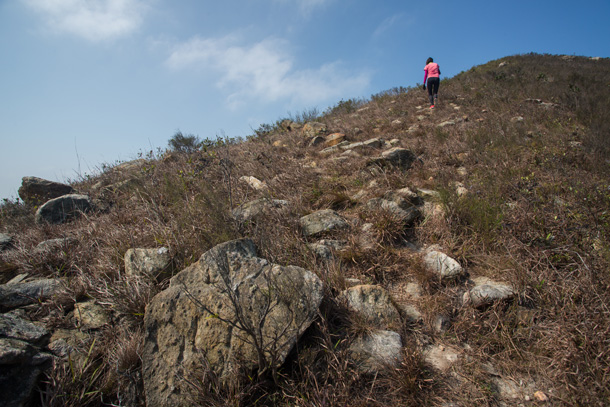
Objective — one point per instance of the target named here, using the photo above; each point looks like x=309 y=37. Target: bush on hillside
x=182 y=143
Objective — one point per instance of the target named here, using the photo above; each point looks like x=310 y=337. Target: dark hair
x=429 y=60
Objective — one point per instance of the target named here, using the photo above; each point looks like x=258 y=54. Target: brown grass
x=536 y=215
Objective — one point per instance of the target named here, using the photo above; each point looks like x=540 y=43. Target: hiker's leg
x=436 y=84
x=430 y=94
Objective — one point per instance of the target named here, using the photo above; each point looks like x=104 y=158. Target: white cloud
x=94 y=20
x=265 y=71
x=388 y=23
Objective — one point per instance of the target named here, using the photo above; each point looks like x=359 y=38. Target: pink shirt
x=431 y=71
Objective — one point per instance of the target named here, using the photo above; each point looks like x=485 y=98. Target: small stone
x=91 y=315
x=540 y=396
x=446 y=123
x=321 y=222
x=443 y=265
x=254 y=183
x=149 y=262
x=441 y=357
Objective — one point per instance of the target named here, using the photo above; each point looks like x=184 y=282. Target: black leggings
x=433 y=84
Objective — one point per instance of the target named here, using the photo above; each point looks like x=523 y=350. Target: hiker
x=432 y=74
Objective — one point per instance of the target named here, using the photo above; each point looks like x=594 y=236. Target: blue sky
x=86 y=82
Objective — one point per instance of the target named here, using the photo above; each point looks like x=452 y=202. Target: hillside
x=474 y=235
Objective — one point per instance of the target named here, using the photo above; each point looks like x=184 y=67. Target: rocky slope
x=383 y=253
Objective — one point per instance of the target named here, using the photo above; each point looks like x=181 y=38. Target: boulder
x=254 y=183
x=7 y=271
x=289 y=125
x=367 y=239
x=232 y=308
x=66 y=343
x=429 y=194
x=373 y=303
x=21 y=359
x=312 y=129
x=396 y=157
x=316 y=141
x=130 y=166
x=13 y=327
x=35 y=191
x=252 y=209
x=336 y=148
x=403 y=210
x=334 y=139
x=55 y=245
x=446 y=124
x=90 y=315
x=374 y=143
x=376 y=352
x=487 y=291
x=6 y=242
x=325 y=249
x=443 y=265
x=155 y=263
x=321 y=222
x=63 y=209
x=441 y=357
x=18 y=295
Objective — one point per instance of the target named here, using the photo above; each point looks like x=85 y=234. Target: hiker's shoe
x=432 y=107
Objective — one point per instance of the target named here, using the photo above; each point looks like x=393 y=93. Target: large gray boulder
x=20 y=294
x=321 y=222
x=36 y=190
x=21 y=359
x=232 y=308
x=63 y=209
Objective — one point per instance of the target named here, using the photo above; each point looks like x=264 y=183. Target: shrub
x=184 y=143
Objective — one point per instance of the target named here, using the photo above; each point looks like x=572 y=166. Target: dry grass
x=536 y=215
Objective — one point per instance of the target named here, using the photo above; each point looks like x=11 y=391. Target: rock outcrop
x=63 y=209
x=22 y=359
x=18 y=295
x=231 y=308
x=35 y=191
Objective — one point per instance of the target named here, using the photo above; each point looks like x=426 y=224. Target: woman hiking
x=432 y=74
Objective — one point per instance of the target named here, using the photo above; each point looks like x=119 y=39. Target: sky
x=84 y=83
